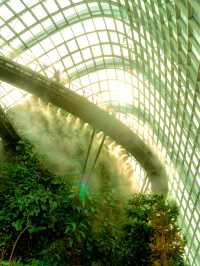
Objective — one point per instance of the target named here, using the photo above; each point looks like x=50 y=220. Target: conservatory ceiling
x=138 y=58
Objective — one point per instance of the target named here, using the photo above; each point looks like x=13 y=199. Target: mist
x=62 y=141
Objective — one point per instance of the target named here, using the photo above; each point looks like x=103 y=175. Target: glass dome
x=139 y=59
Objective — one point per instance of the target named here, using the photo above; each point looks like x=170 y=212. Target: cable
x=88 y=153
x=97 y=156
x=145 y=184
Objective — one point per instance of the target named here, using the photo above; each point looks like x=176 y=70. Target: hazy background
x=62 y=140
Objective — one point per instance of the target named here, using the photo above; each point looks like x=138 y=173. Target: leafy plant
x=151 y=233
x=47 y=220
x=44 y=210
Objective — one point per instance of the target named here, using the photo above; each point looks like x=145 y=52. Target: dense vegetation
x=47 y=219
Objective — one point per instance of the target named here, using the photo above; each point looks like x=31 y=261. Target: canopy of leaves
x=45 y=220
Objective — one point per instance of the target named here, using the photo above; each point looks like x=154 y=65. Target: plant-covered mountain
x=47 y=219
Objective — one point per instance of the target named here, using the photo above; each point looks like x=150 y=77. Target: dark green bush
x=49 y=220
x=47 y=209
x=151 y=234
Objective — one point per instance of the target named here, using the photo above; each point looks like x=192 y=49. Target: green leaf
x=18 y=225
x=73 y=226
x=34 y=229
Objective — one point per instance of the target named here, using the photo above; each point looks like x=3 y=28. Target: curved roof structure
x=140 y=59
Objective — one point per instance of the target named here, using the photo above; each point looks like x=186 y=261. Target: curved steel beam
x=150 y=27
x=158 y=85
x=62 y=97
x=133 y=111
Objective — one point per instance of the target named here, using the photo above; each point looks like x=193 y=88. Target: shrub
x=47 y=220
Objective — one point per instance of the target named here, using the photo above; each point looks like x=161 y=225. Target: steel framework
x=139 y=58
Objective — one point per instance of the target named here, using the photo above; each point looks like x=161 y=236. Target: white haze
x=63 y=141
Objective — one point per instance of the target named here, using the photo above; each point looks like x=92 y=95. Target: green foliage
x=151 y=234
x=45 y=220
x=47 y=206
